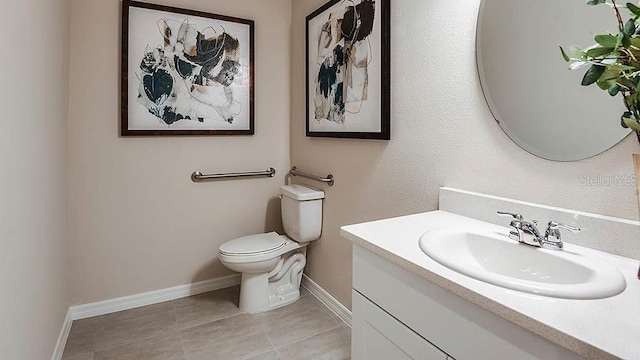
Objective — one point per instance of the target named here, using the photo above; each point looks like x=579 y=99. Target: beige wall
x=137 y=222
x=442 y=135
x=33 y=177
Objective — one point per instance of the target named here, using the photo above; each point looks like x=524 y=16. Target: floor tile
x=272 y=355
x=304 y=291
x=136 y=324
x=82 y=338
x=207 y=307
x=167 y=347
x=85 y=356
x=331 y=345
x=210 y=326
x=236 y=337
x=302 y=319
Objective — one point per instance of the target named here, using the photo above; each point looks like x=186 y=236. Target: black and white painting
x=185 y=72
x=348 y=70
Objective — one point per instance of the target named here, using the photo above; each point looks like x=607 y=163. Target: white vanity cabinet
x=399 y=315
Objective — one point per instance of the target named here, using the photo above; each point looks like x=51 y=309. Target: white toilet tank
x=301 y=212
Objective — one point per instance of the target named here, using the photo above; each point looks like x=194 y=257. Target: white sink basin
x=491 y=256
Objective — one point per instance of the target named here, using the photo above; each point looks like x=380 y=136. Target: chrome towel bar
x=328 y=180
x=197 y=176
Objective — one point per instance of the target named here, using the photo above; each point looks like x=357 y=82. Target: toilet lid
x=253 y=244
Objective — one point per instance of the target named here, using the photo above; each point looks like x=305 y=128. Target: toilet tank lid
x=299 y=192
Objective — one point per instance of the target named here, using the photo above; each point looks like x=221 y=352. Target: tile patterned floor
x=210 y=326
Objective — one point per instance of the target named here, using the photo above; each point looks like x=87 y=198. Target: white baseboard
x=152 y=297
x=62 y=338
x=329 y=301
x=84 y=311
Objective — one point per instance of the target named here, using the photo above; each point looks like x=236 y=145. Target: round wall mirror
x=534 y=97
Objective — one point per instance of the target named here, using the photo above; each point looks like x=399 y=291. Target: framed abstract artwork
x=347 y=63
x=185 y=72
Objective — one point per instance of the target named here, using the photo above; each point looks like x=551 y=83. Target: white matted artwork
x=185 y=72
x=348 y=70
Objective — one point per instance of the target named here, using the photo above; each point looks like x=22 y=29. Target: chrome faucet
x=527 y=232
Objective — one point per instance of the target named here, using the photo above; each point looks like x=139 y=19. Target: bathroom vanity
x=408 y=306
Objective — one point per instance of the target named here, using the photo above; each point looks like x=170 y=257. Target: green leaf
x=564 y=55
x=608 y=79
x=626 y=40
x=635 y=41
x=630 y=85
x=607 y=40
x=599 y=51
x=620 y=67
x=592 y=75
x=634 y=9
x=626 y=114
x=578 y=51
x=630 y=123
x=630 y=27
x=595 y=2
x=603 y=85
x=614 y=89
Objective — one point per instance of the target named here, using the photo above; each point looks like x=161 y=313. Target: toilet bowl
x=272 y=264
x=264 y=261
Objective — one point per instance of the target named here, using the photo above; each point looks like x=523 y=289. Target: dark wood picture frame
x=331 y=96
x=186 y=67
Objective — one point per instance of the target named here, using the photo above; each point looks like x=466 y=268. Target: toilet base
x=266 y=291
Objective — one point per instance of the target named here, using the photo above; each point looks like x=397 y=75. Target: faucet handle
x=552 y=235
x=515 y=216
x=556 y=225
x=516 y=225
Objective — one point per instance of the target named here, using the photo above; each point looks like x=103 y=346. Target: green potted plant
x=614 y=65
x=614 y=62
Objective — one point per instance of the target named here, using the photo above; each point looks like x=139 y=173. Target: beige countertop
x=601 y=328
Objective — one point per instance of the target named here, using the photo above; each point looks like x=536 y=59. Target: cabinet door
x=377 y=335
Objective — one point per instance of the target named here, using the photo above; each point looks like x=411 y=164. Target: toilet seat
x=252 y=245
x=256 y=248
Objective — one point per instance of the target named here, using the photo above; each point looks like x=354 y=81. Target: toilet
x=272 y=264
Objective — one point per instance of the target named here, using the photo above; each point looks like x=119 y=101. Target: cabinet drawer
x=379 y=336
